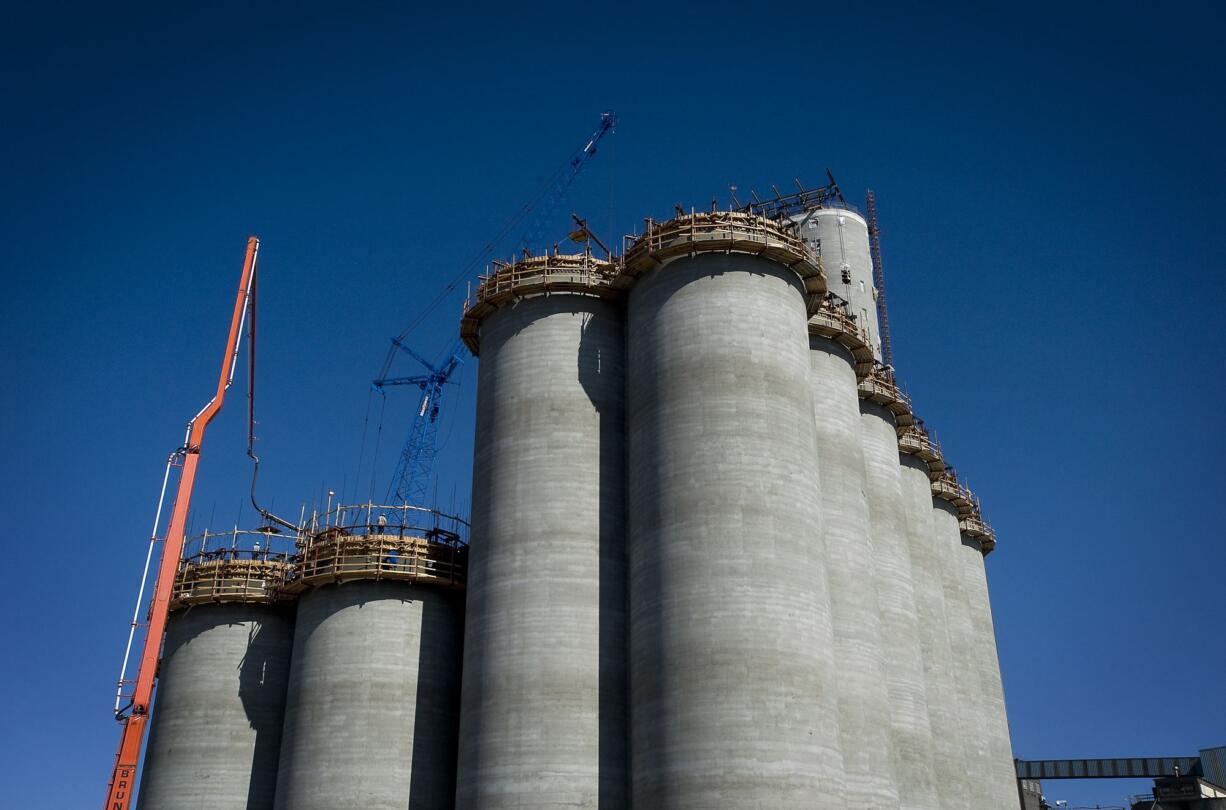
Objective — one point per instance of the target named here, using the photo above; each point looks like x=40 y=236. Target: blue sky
x=1050 y=181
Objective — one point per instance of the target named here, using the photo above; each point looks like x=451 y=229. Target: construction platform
x=579 y=273
x=833 y=320
x=881 y=387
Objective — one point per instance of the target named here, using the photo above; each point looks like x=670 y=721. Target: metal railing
x=881 y=387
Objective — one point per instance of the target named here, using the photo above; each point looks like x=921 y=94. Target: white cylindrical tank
x=732 y=673
x=543 y=719
x=841 y=235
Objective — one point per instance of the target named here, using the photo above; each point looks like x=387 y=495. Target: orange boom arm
x=119 y=793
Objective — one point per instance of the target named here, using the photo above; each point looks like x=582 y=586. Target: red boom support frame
x=119 y=793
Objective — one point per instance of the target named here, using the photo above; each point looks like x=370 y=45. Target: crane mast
x=135 y=716
x=874 y=246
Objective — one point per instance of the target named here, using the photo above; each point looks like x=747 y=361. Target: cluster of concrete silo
x=716 y=561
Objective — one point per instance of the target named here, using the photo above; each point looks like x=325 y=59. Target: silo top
x=579 y=273
x=975 y=527
x=834 y=321
x=881 y=387
x=724 y=232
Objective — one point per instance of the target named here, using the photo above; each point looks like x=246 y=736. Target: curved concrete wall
x=948 y=757
x=543 y=723
x=999 y=769
x=863 y=698
x=216 y=725
x=373 y=697
x=843 y=237
x=904 y=670
x=732 y=676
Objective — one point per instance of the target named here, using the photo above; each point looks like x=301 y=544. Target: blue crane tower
x=416 y=464
x=415 y=467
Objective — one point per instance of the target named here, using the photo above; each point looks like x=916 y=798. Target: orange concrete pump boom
x=123 y=780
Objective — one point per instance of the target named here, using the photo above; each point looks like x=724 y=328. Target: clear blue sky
x=1050 y=180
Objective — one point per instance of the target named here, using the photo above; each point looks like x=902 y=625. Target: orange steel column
x=123 y=780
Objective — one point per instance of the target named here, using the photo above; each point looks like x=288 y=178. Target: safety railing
x=833 y=320
x=534 y=275
x=722 y=232
x=402 y=520
x=881 y=387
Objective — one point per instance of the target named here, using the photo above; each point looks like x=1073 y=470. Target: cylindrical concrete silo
x=981 y=718
x=978 y=540
x=543 y=720
x=373 y=697
x=837 y=348
x=884 y=409
x=841 y=236
x=920 y=459
x=216 y=726
x=733 y=683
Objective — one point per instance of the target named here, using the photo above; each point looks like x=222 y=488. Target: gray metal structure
x=373 y=696
x=733 y=681
x=216 y=730
x=543 y=723
x=863 y=696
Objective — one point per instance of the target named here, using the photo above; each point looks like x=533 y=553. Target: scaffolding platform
x=973 y=525
x=722 y=232
x=833 y=320
x=580 y=273
x=947 y=488
x=368 y=541
x=916 y=440
x=881 y=387
x=230 y=575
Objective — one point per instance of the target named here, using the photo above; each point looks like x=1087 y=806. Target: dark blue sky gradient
x=1050 y=181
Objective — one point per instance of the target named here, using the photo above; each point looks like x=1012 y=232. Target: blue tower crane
x=416 y=464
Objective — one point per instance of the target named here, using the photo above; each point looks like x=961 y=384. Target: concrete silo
x=985 y=734
x=733 y=696
x=543 y=723
x=216 y=728
x=921 y=459
x=884 y=411
x=373 y=695
x=840 y=236
x=839 y=353
x=978 y=540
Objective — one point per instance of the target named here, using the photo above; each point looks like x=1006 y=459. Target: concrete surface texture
x=373 y=696
x=863 y=698
x=948 y=757
x=216 y=725
x=999 y=770
x=733 y=679
x=841 y=237
x=904 y=670
x=543 y=723
x=964 y=643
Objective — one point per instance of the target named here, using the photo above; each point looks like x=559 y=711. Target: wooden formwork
x=226 y=577
x=333 y=557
